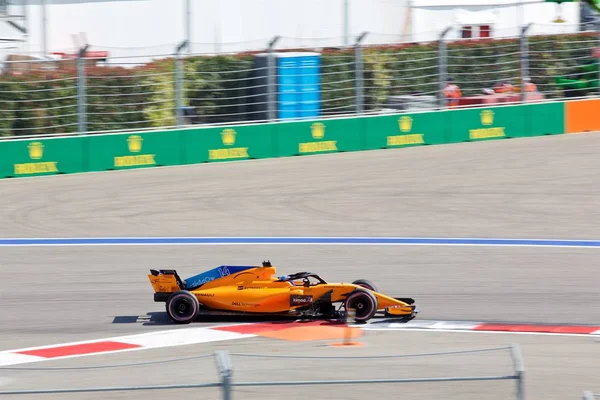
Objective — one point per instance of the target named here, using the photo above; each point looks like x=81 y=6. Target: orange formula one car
x=237 y=290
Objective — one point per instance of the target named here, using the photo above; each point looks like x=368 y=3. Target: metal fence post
x=188 y=24
x=359 y=71
x=524 y=60
x=519 y=369
x=346 y=22
x=271 y=81
x=81 y=90
x=44 y=27
x=179 y=84
x=443 y=67
x=225 y=370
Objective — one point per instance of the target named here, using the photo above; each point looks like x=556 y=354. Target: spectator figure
x=529 y=86
x=504 y=87
x=452 y=93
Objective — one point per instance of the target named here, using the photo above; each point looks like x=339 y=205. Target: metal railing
x=88 y=95
x=227 y=384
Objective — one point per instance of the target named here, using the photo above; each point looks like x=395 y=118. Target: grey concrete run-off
x=533 y=187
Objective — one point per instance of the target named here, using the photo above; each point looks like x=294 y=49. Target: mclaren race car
x=257 y=290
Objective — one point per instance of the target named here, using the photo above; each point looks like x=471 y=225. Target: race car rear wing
x=164 y=282
x=168 y=272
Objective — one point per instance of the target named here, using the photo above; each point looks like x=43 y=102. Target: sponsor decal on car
x=201 y=281
x=211 y=275
x=300 y=300
x=241 y=287
x=244 y=304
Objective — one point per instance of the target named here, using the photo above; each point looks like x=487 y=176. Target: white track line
x=199 y=335
x=428 y=330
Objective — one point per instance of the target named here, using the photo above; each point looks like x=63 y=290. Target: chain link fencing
x=451 y=374
x=90 y=93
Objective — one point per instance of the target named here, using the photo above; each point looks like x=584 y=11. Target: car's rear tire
x=364 y=304
x=366 y=284
x=182 y=307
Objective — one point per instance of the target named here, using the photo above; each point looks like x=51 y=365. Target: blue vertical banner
x=287 y=99
x=299 y=85
x=310 y=95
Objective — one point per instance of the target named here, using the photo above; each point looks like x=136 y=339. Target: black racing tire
x=363 y=302
x=182 y=307
x=366 y=284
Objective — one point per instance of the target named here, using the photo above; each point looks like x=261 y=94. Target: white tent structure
x=490 y=18
x=156 y=27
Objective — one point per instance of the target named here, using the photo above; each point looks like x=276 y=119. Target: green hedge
x=553 y=56
x=117 y=98
x=217 y=87
x=37 y=102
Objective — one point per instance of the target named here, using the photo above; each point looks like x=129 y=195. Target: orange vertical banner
x=582 y=115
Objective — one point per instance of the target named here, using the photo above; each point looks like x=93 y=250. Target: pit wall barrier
x=105 y=152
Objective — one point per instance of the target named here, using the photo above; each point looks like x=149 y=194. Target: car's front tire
x=182 y=307
x=364 y=304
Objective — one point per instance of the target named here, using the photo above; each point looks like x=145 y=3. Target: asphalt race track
x=523 y=188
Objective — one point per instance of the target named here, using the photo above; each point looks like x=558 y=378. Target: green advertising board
x=103 y=152
x=545 y=119
x=20 y=158
x=486 y=123
x=316 y=137
x=125 y=151
x=390 y=131
x=228 y=143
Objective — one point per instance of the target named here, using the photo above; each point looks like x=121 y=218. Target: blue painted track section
x=374 y=241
